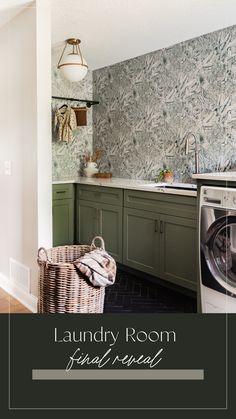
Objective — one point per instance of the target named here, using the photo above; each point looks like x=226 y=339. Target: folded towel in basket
x=98 y=266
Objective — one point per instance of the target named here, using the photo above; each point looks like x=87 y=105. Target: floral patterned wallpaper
x=66 y=158
x=149 y=104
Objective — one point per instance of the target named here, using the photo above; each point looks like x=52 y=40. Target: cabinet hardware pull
x=161 y=227
x=60 y=191
x=156 y=226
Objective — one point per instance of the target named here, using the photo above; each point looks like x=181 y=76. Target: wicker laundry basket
x=62 y=289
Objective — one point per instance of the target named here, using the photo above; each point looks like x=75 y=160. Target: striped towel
x=98 y=266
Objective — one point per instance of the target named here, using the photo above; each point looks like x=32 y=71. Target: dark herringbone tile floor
x=130 y=294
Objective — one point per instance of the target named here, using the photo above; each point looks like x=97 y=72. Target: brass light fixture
x=72 y=65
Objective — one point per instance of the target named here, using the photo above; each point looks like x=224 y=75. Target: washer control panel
x=218 y=197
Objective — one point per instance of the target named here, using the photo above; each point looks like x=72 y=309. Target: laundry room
x=120 y=157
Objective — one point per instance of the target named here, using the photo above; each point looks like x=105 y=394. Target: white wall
x=25 y=138
x=44 y=143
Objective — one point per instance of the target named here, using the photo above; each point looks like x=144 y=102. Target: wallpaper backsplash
x=67 y=158
x=149 y=104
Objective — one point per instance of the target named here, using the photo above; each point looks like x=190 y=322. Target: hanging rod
x=88 y=102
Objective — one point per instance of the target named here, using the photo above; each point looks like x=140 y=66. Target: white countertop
x=62 y=182
x=141 y=185
x=225 y=176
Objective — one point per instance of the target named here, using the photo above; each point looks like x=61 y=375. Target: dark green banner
x=117 y=362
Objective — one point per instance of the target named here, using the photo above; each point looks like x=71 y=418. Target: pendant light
x=73 y=66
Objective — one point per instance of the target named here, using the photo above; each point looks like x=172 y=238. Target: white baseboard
x=25 y=298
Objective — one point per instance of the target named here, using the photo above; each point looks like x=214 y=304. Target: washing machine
x=217 y=238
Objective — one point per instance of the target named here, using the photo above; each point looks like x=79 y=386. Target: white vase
x=91 y=169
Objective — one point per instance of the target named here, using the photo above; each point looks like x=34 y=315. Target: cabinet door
x=111 y=229
x=87 y=221
x=178 y=251
x=141 y=240
x=63 y=222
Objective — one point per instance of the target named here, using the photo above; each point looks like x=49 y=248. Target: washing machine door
x=220 y=251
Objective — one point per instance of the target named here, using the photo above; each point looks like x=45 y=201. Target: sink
x=182 y=186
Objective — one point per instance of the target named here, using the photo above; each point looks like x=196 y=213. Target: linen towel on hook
x=98 y=266
x=65 y=121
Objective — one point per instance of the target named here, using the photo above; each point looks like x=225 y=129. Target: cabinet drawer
x=113 y=196
x=63 y=191
x=180 y=205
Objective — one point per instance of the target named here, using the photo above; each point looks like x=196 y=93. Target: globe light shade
x=73 y=66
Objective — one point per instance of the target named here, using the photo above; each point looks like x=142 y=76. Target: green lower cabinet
x=146 y=231
x=87 y=222
x=111 y=229
x=178 y=256
x=98 y=219
x=163 y=246
x=141 y=240
x=63 y=222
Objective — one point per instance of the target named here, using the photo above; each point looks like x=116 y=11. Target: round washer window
x=221 y=255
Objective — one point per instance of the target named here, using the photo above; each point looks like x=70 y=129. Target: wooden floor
x=9 y=304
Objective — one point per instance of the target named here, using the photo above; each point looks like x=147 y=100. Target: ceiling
x=10 y=8
x=115 y=30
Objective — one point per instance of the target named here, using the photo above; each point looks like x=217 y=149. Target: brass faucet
x=196 y=149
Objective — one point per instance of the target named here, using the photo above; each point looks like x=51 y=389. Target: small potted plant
x=165 y=175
